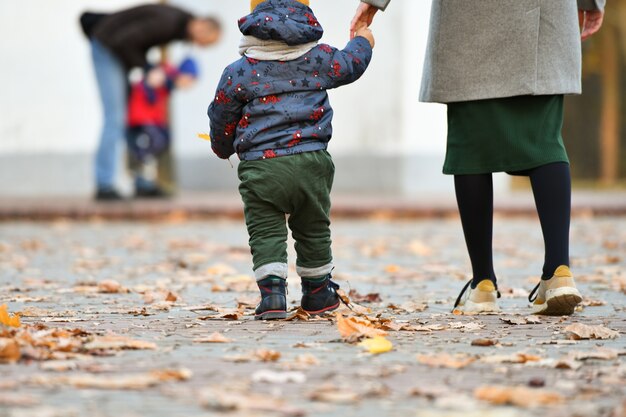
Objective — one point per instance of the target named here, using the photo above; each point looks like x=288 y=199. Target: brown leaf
x=213 y=338
x=266 y=355
x=579 y=331
x=521 y=320
x=470 y=327
x=334 y=395
x=247 y=403
x=484 y=342
x=445 y=360
x=9 y=350
x=111 y=287
x=367 y=298
x=352 y=329
x=598 y=354
x=118 y=343
x=117 y=382
x=518 y=396
x=299 y=315
x=514 y=358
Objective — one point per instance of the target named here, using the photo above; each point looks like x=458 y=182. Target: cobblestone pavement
x=165 y=288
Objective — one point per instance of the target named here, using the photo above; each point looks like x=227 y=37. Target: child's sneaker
x=273 y=305
x=482 y=299
x=319 y=296
x=556 y=296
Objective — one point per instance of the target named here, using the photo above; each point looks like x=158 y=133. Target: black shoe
x=108 y=195
x=273 y=305
x=320 y=297
x=152 y=192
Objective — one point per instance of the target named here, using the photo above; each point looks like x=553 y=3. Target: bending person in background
x=119 y=43
x=502 y=68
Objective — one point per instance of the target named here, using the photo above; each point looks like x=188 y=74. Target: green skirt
x=504 y=135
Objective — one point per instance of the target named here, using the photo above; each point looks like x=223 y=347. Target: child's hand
x=366 y=32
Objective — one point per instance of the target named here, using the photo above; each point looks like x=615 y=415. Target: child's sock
x=315 y=280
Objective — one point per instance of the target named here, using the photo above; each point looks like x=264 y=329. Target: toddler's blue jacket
x=267 y=109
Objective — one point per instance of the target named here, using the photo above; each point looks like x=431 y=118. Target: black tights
x=551 y=186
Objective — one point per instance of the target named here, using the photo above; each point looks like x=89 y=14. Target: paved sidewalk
x=210 y=205
x=165 y=288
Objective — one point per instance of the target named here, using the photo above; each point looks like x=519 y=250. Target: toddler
x=272 y=109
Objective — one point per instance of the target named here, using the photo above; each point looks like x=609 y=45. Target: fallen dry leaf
x=273 y=377
x=419 y=248
x=352 y=329
x=116 y=382
x=221 y=270
x=514 y=358
x=376 y=345
x=8 y=320
x=518 y=396
x=367 y=298
x=299 y=314
x=9 y=350
x=579 y=331
x=334 y=395
x=118 y=343
x=598 y=354
x=471 y=326
x=267 y=355
x=111 y=287
x=213 y=338
x=521 y=320
x=445 y=360
x=484 y=342
x=247 y=403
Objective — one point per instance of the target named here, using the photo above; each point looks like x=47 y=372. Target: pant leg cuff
x=276 y=269
x=315 y=272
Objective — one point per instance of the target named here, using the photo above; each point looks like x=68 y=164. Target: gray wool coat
x=481 y=49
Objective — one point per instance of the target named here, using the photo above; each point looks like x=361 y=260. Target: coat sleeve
x=349 y=64
x=379 y=4
x=591 y=4
x=224 y=113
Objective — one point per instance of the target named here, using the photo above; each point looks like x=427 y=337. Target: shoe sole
x=472 y=307
x=560 y=302
x=271 y=315
x=326 y=310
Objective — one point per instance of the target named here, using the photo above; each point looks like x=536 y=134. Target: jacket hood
x=282 y=20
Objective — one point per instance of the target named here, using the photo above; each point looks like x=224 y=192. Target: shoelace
x=458 y=299
x=535 y=293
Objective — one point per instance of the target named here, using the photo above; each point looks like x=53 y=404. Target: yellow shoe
x=557 y=296
x=482 y=299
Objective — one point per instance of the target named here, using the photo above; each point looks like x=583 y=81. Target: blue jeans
x=112 y=84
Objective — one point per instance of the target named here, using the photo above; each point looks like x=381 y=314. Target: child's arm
x=224 y=113
x=349 y=64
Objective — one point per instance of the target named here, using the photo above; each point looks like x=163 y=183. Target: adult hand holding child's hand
x=364 y=17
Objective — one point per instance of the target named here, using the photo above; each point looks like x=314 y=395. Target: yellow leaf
x=5 y=319
x=205 y=136
x=354 y=328
x=377 y=345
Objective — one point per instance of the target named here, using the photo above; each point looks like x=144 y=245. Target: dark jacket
x=129 y=34
x=266 y=109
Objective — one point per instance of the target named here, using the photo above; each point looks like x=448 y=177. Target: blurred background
x=385 y=141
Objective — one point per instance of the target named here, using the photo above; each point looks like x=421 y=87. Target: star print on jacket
x=269 y=109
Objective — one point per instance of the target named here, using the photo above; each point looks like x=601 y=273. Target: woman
x=503 y=67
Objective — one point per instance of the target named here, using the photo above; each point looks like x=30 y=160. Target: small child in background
x=148 y=121
x=272 y=109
